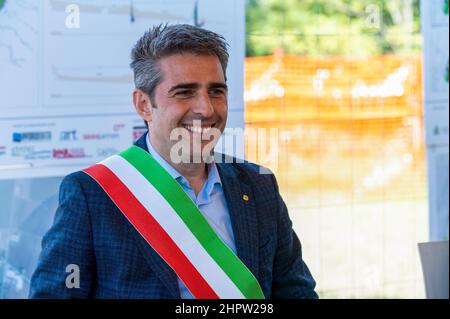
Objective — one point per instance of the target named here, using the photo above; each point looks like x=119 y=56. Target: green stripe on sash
x=183 y=205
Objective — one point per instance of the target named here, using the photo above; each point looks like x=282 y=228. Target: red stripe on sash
x=151 y=231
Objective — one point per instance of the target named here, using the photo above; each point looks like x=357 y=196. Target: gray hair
x=165 y=40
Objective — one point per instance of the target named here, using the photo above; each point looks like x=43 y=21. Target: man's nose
x=204 y=105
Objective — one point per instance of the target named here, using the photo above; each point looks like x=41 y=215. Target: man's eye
x=184 y=93
x=217 y=92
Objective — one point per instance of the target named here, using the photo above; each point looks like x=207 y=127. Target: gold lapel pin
x=245 y=197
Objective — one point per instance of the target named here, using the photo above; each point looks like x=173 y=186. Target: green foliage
x=333 y=27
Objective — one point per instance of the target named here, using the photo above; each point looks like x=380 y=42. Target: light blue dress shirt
x=210 y=201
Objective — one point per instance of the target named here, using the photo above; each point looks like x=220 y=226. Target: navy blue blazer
x=116 y=262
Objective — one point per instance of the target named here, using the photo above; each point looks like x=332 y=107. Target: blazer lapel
x=241 y=204
x=142 y=142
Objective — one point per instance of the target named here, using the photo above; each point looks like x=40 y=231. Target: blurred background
x=345 y=90
x=343 y=83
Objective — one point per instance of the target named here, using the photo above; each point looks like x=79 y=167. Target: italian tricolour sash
x=166 y=217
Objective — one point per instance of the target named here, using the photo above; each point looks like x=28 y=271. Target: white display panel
x=66 y=102
x=436 y=64
x=58 y=145
x=436 y=123
x=435 y=23
x=438 y=175
x=62 y=78
x=19 y=47
x=28 y=207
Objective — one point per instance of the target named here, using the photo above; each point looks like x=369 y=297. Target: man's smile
x=199 y=129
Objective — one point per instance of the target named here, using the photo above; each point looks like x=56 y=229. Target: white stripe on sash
x=169 y=220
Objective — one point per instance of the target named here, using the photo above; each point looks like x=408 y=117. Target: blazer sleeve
x=66 y=248
x=291 y=276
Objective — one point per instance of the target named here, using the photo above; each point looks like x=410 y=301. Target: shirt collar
x=213 y=173
x=172 y=171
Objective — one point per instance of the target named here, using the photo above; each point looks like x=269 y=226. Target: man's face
x=192 y=89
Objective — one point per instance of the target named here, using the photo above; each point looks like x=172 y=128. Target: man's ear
x=142 y=104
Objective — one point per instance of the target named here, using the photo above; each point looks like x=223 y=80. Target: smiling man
x=191 y=95
x=150 y=222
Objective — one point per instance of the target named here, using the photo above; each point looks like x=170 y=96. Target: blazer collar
x=241 y=204
x=141 y=142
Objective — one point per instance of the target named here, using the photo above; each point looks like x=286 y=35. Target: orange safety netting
x=349 y=128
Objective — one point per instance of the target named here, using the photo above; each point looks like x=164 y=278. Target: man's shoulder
x=77 y=177
x=81 y=183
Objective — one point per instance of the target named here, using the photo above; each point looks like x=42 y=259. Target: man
x=151 y=223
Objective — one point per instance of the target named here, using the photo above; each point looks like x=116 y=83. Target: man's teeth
x=198 y=129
